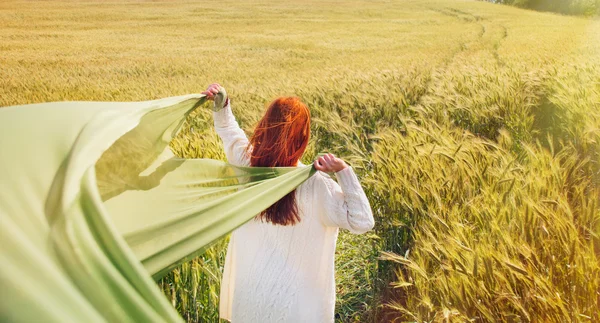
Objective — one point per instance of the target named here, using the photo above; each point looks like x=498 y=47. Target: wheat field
x=474 y=127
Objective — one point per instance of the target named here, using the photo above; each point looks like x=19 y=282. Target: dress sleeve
x=234 y=139
x=345 y=204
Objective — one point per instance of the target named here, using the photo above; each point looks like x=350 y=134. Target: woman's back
x=278 y=273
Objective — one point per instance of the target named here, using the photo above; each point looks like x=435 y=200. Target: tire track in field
x=497 y=32
x=462 y=46
x=489 y=38
x=495 y=43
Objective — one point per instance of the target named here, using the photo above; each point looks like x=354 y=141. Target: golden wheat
x=475 y=129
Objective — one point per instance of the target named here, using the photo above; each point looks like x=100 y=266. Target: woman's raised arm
x=235 y=141
x=345 y=204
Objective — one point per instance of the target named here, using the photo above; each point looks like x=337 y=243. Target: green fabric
x=93 y=204
x=220 y=99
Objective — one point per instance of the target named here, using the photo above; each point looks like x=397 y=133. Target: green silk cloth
x=94 y=205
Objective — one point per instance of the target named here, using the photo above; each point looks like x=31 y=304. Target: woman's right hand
x=329 y=163
x=217 y=93
x=212 y=90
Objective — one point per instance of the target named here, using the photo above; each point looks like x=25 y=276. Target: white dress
x=277 y=273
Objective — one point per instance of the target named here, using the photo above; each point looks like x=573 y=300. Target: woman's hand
x=216 y=92
x=212 y=90
x=329 y=163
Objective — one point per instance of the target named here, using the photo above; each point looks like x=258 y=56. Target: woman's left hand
x=329 y=163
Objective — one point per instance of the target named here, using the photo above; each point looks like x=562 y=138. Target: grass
x=474 y=127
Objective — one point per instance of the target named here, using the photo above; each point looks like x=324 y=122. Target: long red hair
x=279 y=140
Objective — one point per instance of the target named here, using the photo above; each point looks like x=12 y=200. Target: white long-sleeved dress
x=277 y=273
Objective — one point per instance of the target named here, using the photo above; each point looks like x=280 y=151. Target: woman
x=279 y=266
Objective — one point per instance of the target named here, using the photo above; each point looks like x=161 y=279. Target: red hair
x=279 y=140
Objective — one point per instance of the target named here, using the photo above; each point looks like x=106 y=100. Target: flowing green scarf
x=93 y=205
